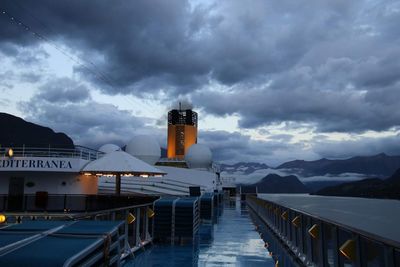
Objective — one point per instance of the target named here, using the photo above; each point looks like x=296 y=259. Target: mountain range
x=17 y=132
x=319 y=173
x=379 y=165
x=274 y=183
x=372 y=187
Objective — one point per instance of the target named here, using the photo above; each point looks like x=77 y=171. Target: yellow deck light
x=10 y=153
x=348 y=249
x=314 y=231
x=3 y=218
x=285 y=215
x=150 y=213
x=131 y=218
x=296 y=221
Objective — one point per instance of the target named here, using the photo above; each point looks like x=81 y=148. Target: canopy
x=120 y=162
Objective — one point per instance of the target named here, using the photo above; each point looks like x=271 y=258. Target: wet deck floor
x=233 y=241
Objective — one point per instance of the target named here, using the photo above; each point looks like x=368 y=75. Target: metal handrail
x=68 y=203
x=77 y=152
x=372 y=236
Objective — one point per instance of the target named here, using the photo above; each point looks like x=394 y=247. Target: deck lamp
x=10 y=153
x=314 y=231
x=348 y=249
x=131 y=218
x=285 y=215
x=150 y=213
x=296 y=221
x=2 y=218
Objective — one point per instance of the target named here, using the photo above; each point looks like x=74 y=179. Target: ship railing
x=80 y=152
x=310 y=240
x=68 y=203
x=135 y=211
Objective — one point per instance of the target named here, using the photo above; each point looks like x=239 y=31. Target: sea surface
x=232 y=241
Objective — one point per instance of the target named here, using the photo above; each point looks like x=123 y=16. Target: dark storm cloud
x=72 y=111
x=326 y=110
x=63 y=90
x=141 y=41
x=30 y=77
x=329 y=64
x=234 y=147
x=175 y=44
x=366 y=146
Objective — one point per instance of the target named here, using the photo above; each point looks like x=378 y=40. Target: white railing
x=54 y=152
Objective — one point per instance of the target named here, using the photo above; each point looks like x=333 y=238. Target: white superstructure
x=51 y=170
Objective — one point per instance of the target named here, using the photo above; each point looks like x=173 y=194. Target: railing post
x=335 y=248
x=126 y=234
x=146 y=225
x=65 y=202
x=137 y=227
x=25 y=203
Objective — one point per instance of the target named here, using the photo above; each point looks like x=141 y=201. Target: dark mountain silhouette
x=273 y=183
x=378 y=165
x=318 y=185
x=17 y=132
x=372 y=188
x=395 y=178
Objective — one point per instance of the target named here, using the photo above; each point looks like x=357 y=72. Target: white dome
x=199 y=157
x=108 y=148
x=145 y=148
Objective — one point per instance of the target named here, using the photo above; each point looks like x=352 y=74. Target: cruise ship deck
x=377 y=217
x=233 y=241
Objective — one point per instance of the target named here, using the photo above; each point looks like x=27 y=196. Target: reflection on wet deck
x=233 y=241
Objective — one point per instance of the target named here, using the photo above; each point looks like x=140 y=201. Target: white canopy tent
x=120 y=163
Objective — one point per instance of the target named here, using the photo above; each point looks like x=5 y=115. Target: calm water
x=233 y=241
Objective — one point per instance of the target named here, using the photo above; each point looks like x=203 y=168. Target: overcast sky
x=271 y=80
